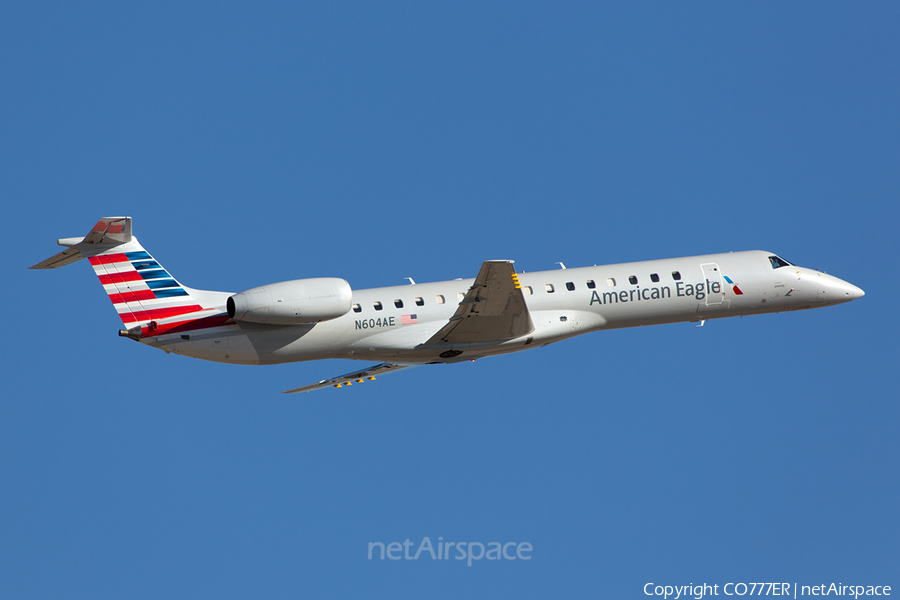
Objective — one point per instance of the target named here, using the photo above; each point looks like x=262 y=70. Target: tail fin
x=149 y=300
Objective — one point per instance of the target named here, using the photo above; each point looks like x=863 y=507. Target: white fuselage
x=563 y=303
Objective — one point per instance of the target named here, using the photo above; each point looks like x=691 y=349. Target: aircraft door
x=715 y=287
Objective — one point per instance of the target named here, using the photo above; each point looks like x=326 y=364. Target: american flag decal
x=408 y=319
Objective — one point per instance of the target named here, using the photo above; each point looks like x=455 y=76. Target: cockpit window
x=777 y=262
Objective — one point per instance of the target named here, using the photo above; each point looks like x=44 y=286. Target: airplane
x=498 y=312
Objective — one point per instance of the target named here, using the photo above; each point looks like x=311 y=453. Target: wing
x=360 y=376
x=493 y=310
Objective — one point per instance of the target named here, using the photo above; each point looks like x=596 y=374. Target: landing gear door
x=715 y=288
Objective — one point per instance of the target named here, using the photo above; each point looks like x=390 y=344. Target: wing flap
x=493 y=309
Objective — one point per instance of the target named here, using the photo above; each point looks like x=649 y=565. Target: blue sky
x=254 y=144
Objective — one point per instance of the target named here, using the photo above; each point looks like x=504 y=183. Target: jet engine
x=292 y=302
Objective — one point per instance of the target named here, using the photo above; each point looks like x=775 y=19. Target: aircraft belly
x=225 y=347
x=635 y=314
x=553 y=325
x=405 y=338
x=286 y=346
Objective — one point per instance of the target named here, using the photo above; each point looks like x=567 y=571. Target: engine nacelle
x=292 y=302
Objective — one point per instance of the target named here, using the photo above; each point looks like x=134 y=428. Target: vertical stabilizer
x=147 y=298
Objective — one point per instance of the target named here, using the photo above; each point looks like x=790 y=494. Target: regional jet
x=498 y=312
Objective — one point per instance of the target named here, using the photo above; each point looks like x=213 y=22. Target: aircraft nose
x=843 y=291
x=853 y=292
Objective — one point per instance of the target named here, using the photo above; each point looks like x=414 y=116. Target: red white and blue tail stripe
x=149 y=300
x=145 y=294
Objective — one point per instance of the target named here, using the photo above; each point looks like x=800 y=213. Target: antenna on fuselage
x=561 y=266
x=411 y=282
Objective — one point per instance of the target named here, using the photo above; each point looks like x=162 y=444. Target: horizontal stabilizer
x=360 y=376
x=107 y=233
x=66 y=257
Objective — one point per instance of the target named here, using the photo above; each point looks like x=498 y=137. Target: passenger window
x=420 y=302
x=439 y=299
x=398 y=303
x=591 y=285
x=378 y=306
x=357 y=308
x=570 y=286
x=676 y=275
x=460 y=295
x=632 y=279
x=611 y=282
x=549 y=288
x=654 y=277
x=527 y=290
